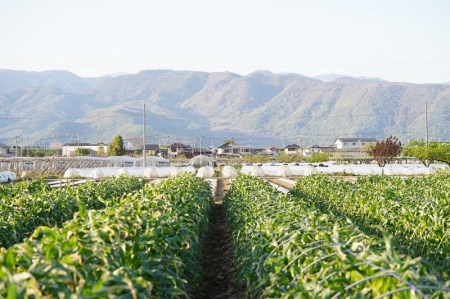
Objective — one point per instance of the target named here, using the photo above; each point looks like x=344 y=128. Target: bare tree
x=136 y=142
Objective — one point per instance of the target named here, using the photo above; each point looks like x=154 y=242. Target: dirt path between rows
x=218 y=262
x=281 y=183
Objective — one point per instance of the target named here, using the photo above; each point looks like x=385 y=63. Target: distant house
x=152 y=149
x=178 y=148
x=315 y=149
x=195 y=151
x=4 y=150
x=353 y=144
x=229 y=148
x=269 y=151
x=14 y=150
x=69 y=149
x=274 y=150
x=213 y=150
x=293 y=149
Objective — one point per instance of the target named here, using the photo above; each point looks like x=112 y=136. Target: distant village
x=342 y=147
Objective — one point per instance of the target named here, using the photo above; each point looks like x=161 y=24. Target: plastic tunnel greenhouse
x=152 y=161
x=200 y=161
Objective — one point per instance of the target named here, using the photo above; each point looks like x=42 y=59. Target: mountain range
x=260 y=108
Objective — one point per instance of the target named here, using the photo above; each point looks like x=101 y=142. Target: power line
x=136 y=114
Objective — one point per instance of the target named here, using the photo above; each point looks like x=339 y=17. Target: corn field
x=122 y=238
x=288 y=248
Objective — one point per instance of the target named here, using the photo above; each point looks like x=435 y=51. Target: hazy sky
x=398 y=40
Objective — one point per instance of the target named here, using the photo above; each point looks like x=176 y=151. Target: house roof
x=292 y=146
x=232 y=145
x=178 y=145
x=226 y=144
x=151 y=147
x=363 y=139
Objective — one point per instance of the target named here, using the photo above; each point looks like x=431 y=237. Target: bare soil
x=281 y=183
x=218 y=258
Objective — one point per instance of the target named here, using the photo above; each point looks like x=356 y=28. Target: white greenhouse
x=200 y=161
x=7 y=176
x=152 y=161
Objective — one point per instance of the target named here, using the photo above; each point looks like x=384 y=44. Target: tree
x=385 y=151
x=80 y=151
x=136 y=142
x=100 y=150
x=435 y=151
x=231 y=141
x=116 y=147
x=442 y=152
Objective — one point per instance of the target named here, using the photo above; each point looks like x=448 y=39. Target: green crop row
x=144 y=245
x=35 y=203
x=285 y=248
x=416 y=211
x=23 y=187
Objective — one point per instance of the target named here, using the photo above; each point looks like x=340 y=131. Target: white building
x=4 y=150
x=353 y=144
x=231 y=149
x=69 y=149
x=316 y=149
x=293 y=149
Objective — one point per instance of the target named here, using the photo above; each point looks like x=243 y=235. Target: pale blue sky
x=397 y=40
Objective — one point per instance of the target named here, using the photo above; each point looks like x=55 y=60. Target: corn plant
x=285 y=248
x=415 y=211
x=143 y=245
x=29 y=205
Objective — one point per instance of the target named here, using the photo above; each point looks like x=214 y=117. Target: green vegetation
x=116 y=147
x=27 y=205
x=380 y=237
x=286 y=248
x=38 y=152
x=143 y=245
x=318 y=157
x=435 y=151
x=101 y=151
x=80 y=151
x=416 y=211
x=285 y=158
x=255 y=159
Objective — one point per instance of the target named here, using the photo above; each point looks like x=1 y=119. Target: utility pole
x=159 y=144
x=16 y=145
x=78 y=145
x=360 y=143
x=144 y=160
x=426 y=119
